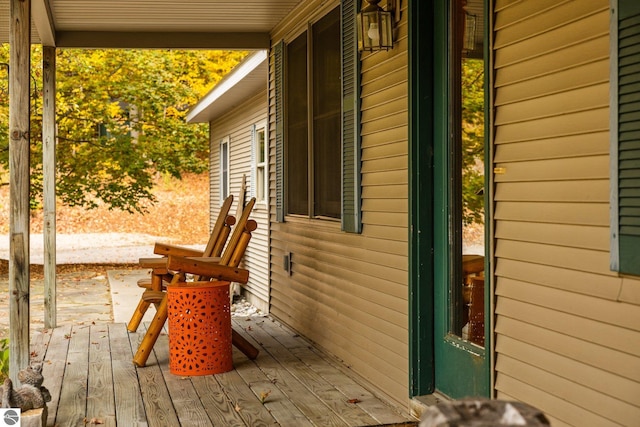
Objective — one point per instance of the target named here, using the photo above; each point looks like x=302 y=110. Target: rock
x=475 y=412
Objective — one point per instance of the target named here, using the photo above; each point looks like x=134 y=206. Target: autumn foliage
x=120 y=117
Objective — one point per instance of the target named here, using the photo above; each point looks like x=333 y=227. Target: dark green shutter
x=351 y=220
x=278 y=71
x=628 y=141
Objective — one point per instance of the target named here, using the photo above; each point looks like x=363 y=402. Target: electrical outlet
x=288 y=263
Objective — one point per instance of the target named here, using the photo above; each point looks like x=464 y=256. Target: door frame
x=421 y=291
x=428 y=99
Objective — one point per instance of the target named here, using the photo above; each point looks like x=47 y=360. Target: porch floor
x=92 y=380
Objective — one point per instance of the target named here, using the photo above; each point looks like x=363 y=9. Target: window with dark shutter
x=351 y=184
x=278 y=61
x=317 y=121
x=625 y=137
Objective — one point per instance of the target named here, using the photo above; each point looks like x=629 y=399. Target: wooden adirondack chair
x=223 y=268
x=158 y=265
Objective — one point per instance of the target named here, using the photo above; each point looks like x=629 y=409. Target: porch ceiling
x=242 y=24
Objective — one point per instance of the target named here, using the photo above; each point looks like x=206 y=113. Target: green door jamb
x=421 y=302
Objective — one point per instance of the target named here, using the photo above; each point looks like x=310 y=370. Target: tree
x=120 y=121
x=473 y=141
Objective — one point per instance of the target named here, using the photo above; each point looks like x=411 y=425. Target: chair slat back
x=218 y=226
x=238 y=231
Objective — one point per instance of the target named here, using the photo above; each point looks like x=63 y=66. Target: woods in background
x=120 y=118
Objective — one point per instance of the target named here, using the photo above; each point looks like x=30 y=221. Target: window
x=259 y=157
x=313 y=147
x=224 y=168
x=625 y=137
x=317 y=121
x=465 y=167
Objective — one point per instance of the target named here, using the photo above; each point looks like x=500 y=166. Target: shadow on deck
x=89 y=372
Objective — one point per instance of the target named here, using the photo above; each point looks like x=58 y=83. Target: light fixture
x=375 y=27
x=470 y=23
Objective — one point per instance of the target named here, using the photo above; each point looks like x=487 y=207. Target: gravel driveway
x=91 y=248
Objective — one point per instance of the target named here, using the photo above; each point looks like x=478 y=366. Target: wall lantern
x=375 y=27
x=470 y=24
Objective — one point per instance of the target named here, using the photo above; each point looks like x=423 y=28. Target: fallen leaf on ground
x=264 y=395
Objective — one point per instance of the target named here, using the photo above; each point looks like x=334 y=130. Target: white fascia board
x=201 y=112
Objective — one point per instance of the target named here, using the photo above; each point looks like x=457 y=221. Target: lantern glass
x=375 y=30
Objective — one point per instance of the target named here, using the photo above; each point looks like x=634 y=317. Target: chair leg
x=141 y=309
x=137 y=316
x=152 y=334
x=243 y=345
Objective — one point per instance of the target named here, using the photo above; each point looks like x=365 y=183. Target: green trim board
x=421 y=306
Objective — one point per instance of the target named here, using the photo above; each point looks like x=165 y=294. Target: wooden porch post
x=20 y=61
x=49 y=183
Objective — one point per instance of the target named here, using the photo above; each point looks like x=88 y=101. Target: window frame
x=257 y=165
x=225 y=187
x=314 y=196
x=351 y=155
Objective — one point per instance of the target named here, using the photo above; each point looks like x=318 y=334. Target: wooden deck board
x=73 y=394
x=54 y=359
x=245 y=402
x=127 y=397
x=157 y=400
x=349 y=413
x=332 y=373
x=186 y=402
x=282 y=409
x=219 y=407
x=100 y=391
x=317 y=411
x=90 y=375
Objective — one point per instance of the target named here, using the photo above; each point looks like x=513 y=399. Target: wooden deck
x=89 y=373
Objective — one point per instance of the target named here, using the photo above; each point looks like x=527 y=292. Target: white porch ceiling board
x=167 y=15
x=158 y=16
x=5 y=24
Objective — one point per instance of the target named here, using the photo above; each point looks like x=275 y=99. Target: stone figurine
x=30 y=395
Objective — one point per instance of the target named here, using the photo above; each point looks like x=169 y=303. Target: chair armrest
x=154 y=263
x=206 y=267
x=167 y=249
x=205 y=259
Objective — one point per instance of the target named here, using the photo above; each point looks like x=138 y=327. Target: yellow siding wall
x=568 y=329
x=348 y=292
x=237 y=125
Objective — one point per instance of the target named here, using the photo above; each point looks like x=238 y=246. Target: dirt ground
x=181 y=211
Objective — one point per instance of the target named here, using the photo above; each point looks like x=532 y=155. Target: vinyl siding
x=237 y=125
x=567 y=329
x=348 y=292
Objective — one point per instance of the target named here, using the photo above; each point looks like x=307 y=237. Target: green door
x=460 y=252
x=449 y=288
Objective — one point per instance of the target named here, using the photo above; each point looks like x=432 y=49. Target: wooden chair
x=158 y=265
x=223 y=268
